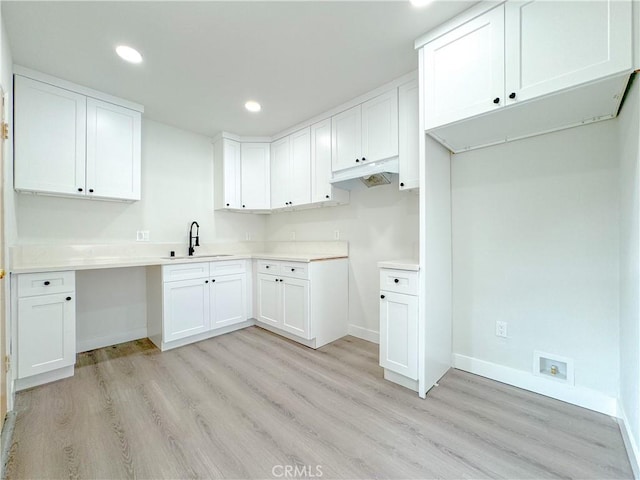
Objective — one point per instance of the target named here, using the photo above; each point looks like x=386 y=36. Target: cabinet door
x=280 y=173
x=551 y=46
x=232 y=183
x=228 y=296
x=346 y=139
x=185 y=308
x=300 y=168
x=269 y=299
x=399 y=333
x=50 y=125
x=113 y=151
x=46 y=333
x=321 y=161
x=464 y=70
x=380 y=127
x=256 y=193
x=295 y=306
x=408 y=130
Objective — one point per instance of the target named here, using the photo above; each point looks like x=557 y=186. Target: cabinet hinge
x=7 y=363
x=5 y=131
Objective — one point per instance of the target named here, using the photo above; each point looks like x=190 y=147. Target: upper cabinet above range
x=73 y=141
x=532 y=66
x=366 y=132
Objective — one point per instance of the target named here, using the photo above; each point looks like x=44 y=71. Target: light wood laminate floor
x=249 y=403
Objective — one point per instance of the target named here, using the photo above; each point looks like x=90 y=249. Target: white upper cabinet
x=256 y=193
x=551 y=46
x=346 y=138
x=49 y=126
x=408 y=129
x=72 y=144
x=533 y=66
x=464 y=70
x=380 y=127
x=291 y=170
x=321 y=161
x=113 y=151
x=300 y=168
x=280 y=176
x=366 y=132
x=227 y=174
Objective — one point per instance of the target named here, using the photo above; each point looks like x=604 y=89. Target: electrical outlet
x=501 y=329
x=336 y=234
x=247 y=237
x=142 y=236
x=293 y=235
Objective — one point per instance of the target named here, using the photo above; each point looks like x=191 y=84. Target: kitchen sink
x=198 y=257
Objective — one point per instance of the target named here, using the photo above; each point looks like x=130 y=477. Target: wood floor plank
x=242 y=404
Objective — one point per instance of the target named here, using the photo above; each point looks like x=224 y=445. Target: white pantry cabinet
x=71 y=144
x=188 y=302
x=366 y=132
x=572 y=58
x=399 y=326
x=303 y=301
x=45 y=325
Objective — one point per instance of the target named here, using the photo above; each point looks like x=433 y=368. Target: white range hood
x=344 y=178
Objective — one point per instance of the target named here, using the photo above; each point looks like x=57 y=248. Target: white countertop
x=123 y=262
x=403 y=264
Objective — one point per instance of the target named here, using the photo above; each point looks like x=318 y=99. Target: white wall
x=380 y=223
x=177 y=187
x=629 y=126
x=536 y=244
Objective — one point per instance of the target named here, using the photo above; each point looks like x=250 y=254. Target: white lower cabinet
x=284 y=303
x=198 y=301
x=399 y=326
x=46 y=320
x=307 y=302
x=399 y=333
x=186 y=308
x=228 y=300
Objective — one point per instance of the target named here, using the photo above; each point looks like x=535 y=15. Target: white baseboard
x=629 y=442
x=580 y=396
x=364 y=333
x=87 y=344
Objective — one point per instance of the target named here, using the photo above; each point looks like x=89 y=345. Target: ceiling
x=203 y=60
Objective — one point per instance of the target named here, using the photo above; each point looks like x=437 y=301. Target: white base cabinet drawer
x=46 y=333
x=185 y=271
x=399 y=281
x=399 y=333
x=30 y=284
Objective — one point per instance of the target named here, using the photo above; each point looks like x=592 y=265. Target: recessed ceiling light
x=253 y=106
x=129 y=54
x=420 y=3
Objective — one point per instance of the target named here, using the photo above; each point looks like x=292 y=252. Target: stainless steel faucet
x=192 y=246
